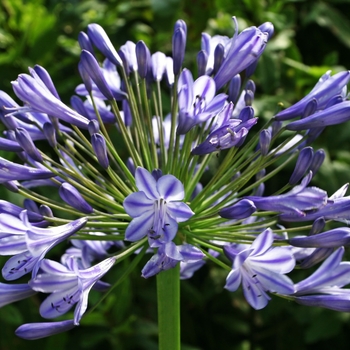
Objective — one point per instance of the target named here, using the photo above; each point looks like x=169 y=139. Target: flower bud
x=93 y=127
x=179 y=45
x=310 y=108
x=72 y=197
x=30 y=205
x=98 y=143
x=91 y=66
x=158 y=65
x=143 y=57
x=234 y=88
x=330 y=239
x=101 y=40
x=240 y=210
x=46 y=79
x=248 y=97
x=302 y=165
x=317 y=161
x=317 y=256
x=11 y=186
x=317 y=226
x=219 y=53
x=85 y=77
x=44 y=210
x=264 y=141
x=50 y=134
x=25 y=141
x=85 y=43
x=202 y=59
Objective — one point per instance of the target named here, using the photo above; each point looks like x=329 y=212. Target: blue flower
x=68 y=286
x=260 y=268
x=295 y=202
x=40 y=99
x=156 y=208
x=324 y=287
x=32 y=331
x=245 y=49
x=326 y=88
x=197 y=101
x=229 y=132
x=10 y=293
x=169 y=255
x=29 y=244
x=337 y=208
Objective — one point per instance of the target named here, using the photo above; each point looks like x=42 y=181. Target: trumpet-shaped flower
x=197 y=101
x=68 y=286
x=295 y=202
x=260 y=268
x=324 y=287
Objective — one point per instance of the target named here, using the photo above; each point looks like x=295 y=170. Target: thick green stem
x=168 y=295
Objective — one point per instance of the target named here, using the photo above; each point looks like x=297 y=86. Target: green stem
x=168 y=297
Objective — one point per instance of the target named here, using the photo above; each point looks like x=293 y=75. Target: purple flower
x=302 y=165
x=245 y=49
x=179 y=45
x=100 y=39
x=337 y=114
x=128 y=55
x=329 y=239
x=40 y=99
x=29 y=244
x=32 y=331
x=337 y=207
x=92 y=67
x=209 y=44
x=296 y=201
x=324 y=287
x=73 y=198
x=12 y=171
x=240 y=210
x=326 y=88
x=260 y=268
x=10 y=293
x=168 y=255
x=197 y=101
x=68 y=286
x=156 y=208
x=229 y=132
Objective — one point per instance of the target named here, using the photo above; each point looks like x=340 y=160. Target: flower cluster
x=187 y=184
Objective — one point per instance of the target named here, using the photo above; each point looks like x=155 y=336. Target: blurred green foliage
x=310 y=38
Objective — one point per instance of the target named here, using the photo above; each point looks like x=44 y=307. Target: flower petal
x=170 y=188
x=31 y=331
x=180 y=211
x=137 y=203
x=233 y=280
x=146 y=183
x=57 y=304
x=139 y=227
x=278 y=259
x=254 y=294
x=262 y=243
x=10 y=293
x=274 y=282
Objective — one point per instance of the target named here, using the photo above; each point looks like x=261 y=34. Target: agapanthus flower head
x=174 y=169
